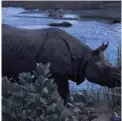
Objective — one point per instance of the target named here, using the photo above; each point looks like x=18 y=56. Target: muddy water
x=90 y=32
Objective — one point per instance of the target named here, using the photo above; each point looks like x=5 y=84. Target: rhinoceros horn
x=101 y=48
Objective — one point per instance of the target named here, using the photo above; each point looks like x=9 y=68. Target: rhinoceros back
x=19 y=46
x=19 y=50
x=21 y=42
x=42 y=45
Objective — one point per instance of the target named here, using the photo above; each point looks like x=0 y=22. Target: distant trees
x=74 y=5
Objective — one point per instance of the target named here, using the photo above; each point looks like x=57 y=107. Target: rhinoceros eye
x=96 y=58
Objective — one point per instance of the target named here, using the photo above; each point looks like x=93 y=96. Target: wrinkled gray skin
x=69 y=58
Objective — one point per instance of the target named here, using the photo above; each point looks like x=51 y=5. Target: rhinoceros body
x=46 y=45
x=23 y=48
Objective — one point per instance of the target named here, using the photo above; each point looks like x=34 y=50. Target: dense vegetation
x=35 y=98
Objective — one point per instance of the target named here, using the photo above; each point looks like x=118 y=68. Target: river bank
x=86 y=9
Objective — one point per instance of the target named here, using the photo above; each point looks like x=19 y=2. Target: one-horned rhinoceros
x=70 y=59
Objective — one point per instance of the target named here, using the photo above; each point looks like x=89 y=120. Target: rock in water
x=63 y=24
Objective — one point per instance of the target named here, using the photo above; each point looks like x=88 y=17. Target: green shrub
x=35 y=98
x=32 y=99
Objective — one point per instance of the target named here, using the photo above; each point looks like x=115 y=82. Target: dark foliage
x=35 y=98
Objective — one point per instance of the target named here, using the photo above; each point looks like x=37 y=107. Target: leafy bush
x=35 y=98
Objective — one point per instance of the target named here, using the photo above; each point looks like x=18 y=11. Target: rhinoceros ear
x=100 y=49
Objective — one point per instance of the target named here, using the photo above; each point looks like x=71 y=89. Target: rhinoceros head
x=100 y=71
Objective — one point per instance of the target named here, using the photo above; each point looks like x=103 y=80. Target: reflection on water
x=34 y=27
x=70 y=16
x=39 y=15
x=11 y=11
x=32 y=15
x=91 y=32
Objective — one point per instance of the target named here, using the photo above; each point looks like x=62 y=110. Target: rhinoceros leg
x=63 y=88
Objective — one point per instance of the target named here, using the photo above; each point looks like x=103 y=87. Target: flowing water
x=91 y=32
